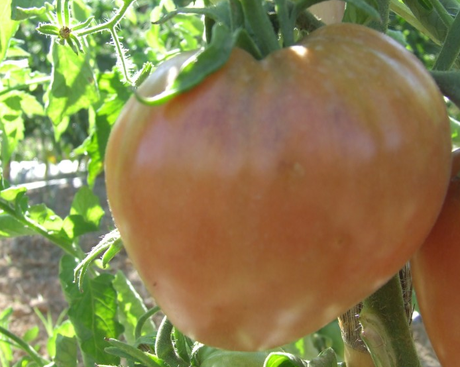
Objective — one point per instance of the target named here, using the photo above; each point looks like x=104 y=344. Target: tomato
x=436 y=276
x=266 y=201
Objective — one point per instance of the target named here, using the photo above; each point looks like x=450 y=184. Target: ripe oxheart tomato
x=436 y=275
x=269 y=199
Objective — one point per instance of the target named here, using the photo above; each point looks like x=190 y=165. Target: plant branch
x=25 y=347
x=41 y=80
x=384 y=12
x=110 y=24
x=385 y=329
x=61 y=242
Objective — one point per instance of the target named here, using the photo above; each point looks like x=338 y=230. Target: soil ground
x=29 y=271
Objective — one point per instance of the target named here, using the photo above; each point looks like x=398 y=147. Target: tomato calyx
x=257 y=27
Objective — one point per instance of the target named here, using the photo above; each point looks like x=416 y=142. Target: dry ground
x=29 y=271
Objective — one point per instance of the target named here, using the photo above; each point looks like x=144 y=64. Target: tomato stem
x=451 y=47
x=259 y=23
x=164 y=347
x=384 y=12
x=385 y=329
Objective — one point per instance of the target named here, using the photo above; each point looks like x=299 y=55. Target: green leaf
x=66 y=351
x=8 y=27
x=11 y=227
x=207 y=356
x=6 y=351
x=278 y=359
x=199 y=66
x=133 y=354
x=23 y=9
x=12 y=194
x=455 y=133
x=31 y=334
x=65 y=329
x=73 y=85
x=92 y=312
x=115 y=95
x=303 y=348
x=130 y=308
x=45 y=217
x=85 y=214
x=361 y=11
x=327 y=358
x=449 y=83
x=12 y=108
x=429 y=18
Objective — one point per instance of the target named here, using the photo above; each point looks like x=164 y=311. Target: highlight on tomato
x=276 y=194
x=436 y=274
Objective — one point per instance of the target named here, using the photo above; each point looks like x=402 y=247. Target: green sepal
x=48 y=29
x=198 y=67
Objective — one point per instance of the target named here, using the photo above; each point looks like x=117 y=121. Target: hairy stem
x=385 y=329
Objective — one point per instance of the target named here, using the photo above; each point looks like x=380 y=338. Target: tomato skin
x=275 y=195
x=436 y=275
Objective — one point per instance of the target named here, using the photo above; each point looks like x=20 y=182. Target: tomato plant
x=436 y=272
x=255 y=204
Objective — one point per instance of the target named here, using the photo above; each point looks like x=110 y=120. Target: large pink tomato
x=270 y=198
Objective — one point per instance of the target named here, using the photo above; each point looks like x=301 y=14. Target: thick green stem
x=164 y=347
x=451 y=47
x=385 y=329
x=259 y=23
x=384 y=12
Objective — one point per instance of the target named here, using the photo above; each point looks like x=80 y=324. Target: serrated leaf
x=23 y=9
x=92 y=312
x=115 y=95
x=44 y=216
x=8 y=27
x=131 y=307
x=85 y=214
x=73 y=85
